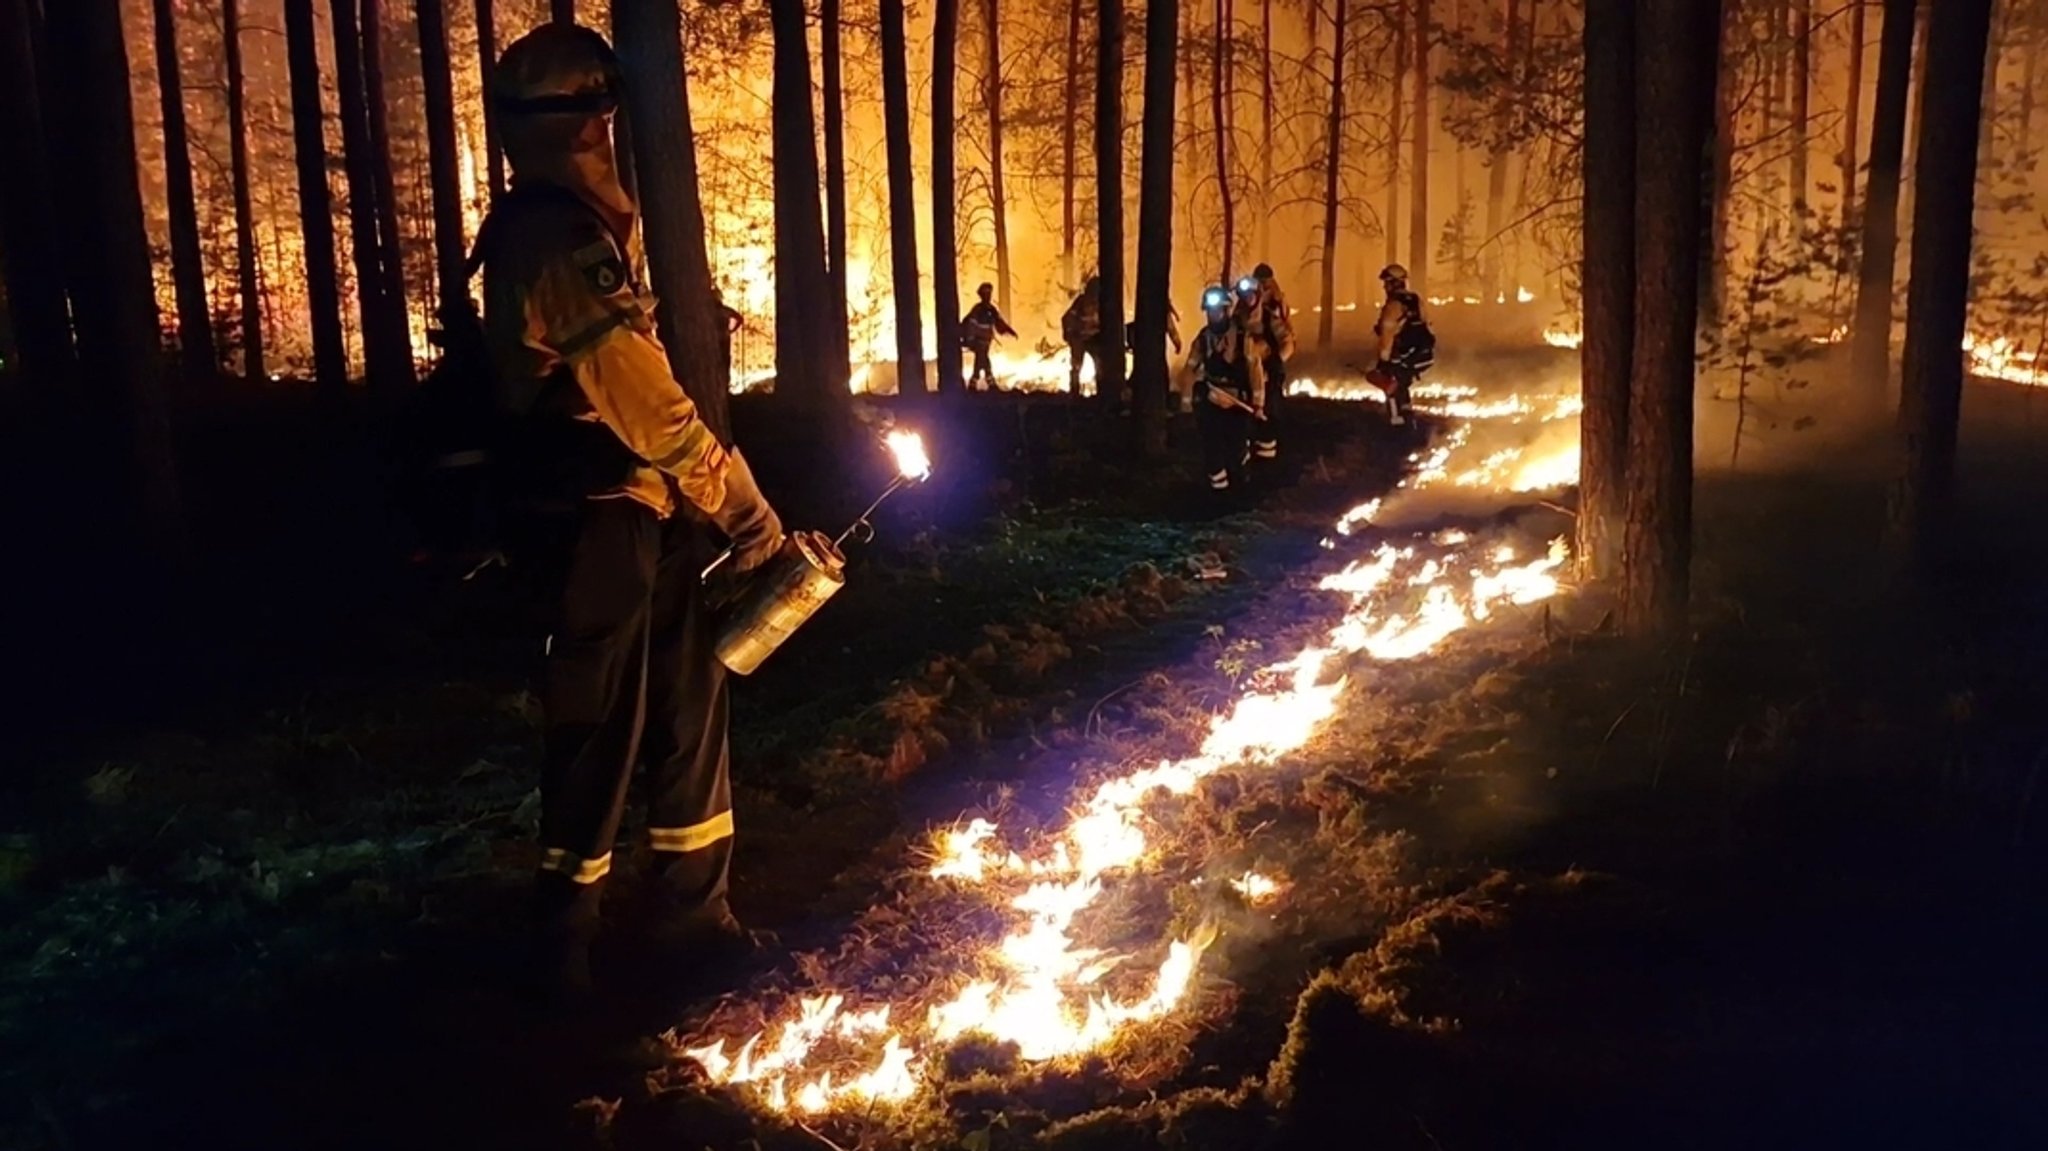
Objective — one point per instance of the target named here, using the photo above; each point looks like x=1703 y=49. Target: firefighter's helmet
x=1215 y=302
x=1394 y=274
x=985 y=291
x=557 y=70
x=1263 y=273
x=1247 y=287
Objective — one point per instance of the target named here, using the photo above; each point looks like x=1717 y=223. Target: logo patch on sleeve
x=605 y=276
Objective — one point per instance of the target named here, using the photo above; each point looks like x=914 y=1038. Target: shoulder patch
x=602 y=268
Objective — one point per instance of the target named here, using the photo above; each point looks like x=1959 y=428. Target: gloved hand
x=746 y=519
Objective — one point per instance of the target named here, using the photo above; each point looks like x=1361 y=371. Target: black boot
x=565 y=923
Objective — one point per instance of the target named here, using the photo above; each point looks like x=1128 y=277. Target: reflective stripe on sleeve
x=578 y=869
x=695 y=837
x=692 y=442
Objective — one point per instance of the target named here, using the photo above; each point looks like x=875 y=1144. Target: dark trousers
x=983 y=369
x=1225 y=438
x=1266 y=432
x=1399 y=400
x=631 y=678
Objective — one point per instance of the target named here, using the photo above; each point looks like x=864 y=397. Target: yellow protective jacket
x=562 y=294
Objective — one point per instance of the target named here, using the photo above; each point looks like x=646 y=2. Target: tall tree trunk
x=1607 y=282
x=1189 y=117
x=444 y=173
x=2030 y=65
x=945 y=190
x=1721 y=189
x=386 y=356
x=487 y=59
x=390 y=257
x=1333 y=142
x=902 y=204
x=998 y=199
x=1266 y=145
x=316 y=204
x=1913 y=113
x=114 y=301
x=800 y=278
x=1987 y=116
x=1937 y=299
x=1218 y=62
x=1852 y=125
x=28 y=244
x=1155 y=230
x=1418 y=203
x=649 y=35
x=1802 y=93
x=838 y=317
x=1070 y=176
x=564 y=11
x=1396 y=124
x=1109 y=200
x=1497 y=161
x=1676 y=51
x=196 y=357
x=249 y=287
x=1870 y=354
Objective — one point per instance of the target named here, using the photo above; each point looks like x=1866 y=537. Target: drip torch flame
x=911 y=461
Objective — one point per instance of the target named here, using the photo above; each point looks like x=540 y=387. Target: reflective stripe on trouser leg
x=689 y=819
x=1266 y=432
x=1218 y=481
x=594 y=686
x=1224 y=432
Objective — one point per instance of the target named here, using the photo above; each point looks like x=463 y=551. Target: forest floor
x=1780 y=884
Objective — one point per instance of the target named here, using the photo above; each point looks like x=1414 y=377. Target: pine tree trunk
x=839 y=321
x=1216 y=102
x=1909 y=162
x=248 y=286
x=1852 y=125
x=2024 y=129
x=1607 y=283
x=945 y=190
x=1987 y=117
x=114 y=301
x=444 y=173
x=1070 y=176
x=1333 y=142
x=1155 y=231
x=1497 y=160
x=657 y=120
x=1109 y=200
x=1870 y=353
x=902 y=203
x=998 y=198
x=316 y=207
x=390 y=256
x=196 y=357
x=801 y=293
x=1721 y=190
x=1266 y=142
x=28 y=244
x=1418 y=202
x=1396 y=124
x=1676 y=52
x=1937 y=299
x=564 y=11
x=386 y=356
x=1802 y=93
x=487 y=58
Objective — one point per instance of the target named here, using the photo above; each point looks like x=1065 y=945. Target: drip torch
x=787 y=590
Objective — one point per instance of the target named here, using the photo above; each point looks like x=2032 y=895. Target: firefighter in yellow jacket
x=615 y=442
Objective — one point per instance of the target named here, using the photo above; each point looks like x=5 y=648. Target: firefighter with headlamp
x=1262 y=310
x=609 y=442
x=1220 y=370
x=1407 y=345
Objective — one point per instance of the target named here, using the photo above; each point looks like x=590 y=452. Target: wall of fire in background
x=1520 y=251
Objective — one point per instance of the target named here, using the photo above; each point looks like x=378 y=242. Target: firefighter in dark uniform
x=631 y=676
x=1081 y=328
x=1220 y=366
x=1262 y=310
x=1406 y=346
x=978 y=331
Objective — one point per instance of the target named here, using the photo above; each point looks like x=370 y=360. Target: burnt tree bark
x=1499 y=158
x=1676 y=53
x=1937 y=299
x=1418 y=201
x=1852 y=126
x=998 y=199
x=1721 y=188
x=196 y=359
x=1802 y=95
x=390 y=257
x=386 y=357
x=902 y=203
x=801 y=348
x=1333 y=153
x=28 y=245
x=649 y=35
x=249 y=289
x=451 y=278
x=1266 y=128
x=316 y=204
x=1217 y=98
x=945 y=191
x=1607 y=282
x=114 y=300
x=1069 y=148
x=838 y=317
x=487 y=59
x=1109 y=200
x=1398 y=20
x=1155 y=231
x=1870 y=352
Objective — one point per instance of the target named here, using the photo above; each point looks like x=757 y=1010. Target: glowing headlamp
x=1215 y=298
x=1247 y=286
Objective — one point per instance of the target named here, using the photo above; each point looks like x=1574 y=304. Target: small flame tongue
x=911 y=461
